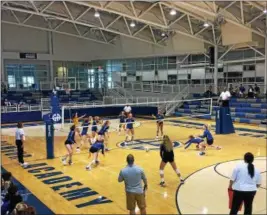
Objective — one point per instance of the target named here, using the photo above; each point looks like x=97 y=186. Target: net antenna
x=182 y=108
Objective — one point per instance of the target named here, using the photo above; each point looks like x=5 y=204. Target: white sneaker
x=78 y=150
x=88 y=168
x=218 y=148
x=64 y=161
x=157 y=138
x=25 y=164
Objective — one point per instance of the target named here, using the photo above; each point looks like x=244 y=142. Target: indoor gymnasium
x=133 y=107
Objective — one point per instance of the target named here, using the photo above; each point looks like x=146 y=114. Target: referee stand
x=224 y=123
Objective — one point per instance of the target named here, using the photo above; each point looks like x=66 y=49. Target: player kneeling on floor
x=95 y=148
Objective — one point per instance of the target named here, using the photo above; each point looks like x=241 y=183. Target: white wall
x=17 y=39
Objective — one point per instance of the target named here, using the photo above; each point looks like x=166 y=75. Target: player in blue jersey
x=209 y=138
x=200 y=141
x=122 y=118
x=103 y=132
x=94 y=128
x=84 y=133
x=68 y=144
x=160 y=118
x=129 y=127
x=95 y=148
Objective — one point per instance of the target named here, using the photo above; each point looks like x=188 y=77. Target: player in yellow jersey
x=75 y=120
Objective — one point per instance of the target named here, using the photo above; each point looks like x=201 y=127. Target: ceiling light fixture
x=132 y=24
x=97 y=14
x=173 y=12
x=163 y=34
x=206 y=25
x=265 y=11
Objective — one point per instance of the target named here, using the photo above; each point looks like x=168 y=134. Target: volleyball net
x=142 y=111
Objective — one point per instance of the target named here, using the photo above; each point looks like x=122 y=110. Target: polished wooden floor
x=103 y=179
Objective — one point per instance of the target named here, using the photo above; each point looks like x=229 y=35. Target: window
x=27 y=81
x=11 y=81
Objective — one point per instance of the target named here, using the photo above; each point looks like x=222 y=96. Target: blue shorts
x=210 y=142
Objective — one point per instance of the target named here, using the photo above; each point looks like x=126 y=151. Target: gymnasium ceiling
x=153 y=22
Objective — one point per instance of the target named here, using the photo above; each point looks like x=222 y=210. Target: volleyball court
x=144 y=114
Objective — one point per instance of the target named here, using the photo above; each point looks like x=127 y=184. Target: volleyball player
x=122 y=121
x=76 y=119
x=84 y=134
x=129 y=127
x=167 y=156
x=94 y=126
x=199 y=144
x=95 y=148
x=103 y=133
x=209 y=138
x=68 y=144
x=160 y=119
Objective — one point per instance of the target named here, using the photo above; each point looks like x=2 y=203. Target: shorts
x=210 y=142
x=93 y=150
x=94 y=130
x=68 y=142
x=160 y=122
x=83 y=133
x=168 y=159
x=135 y=198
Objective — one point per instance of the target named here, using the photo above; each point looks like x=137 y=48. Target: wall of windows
x=26 y=74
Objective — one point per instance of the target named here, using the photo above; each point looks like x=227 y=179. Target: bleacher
x=34 y=97
x=251 y=111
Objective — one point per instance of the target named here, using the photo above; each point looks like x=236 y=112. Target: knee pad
x=177 y=171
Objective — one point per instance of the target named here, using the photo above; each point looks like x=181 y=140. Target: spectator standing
x=257 y=91
x=231 y=89
x=244 y=182
x=225 y=97
x=242 y=90
x=133 y=176
x=20 y=138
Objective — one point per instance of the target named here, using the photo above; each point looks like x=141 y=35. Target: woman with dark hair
x=20 y=138
x=68 y=144
x=244 y=182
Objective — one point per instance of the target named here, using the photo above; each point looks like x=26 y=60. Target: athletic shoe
x=106 y=149
x=162 y=184
x=88 y=168
x=64 y=161
x=25 y=164
x=182 y=181
x=201 y=153
x=78 y=150
x=218 y=148
x=70 y=162
x=156 y=138
x=96 y=162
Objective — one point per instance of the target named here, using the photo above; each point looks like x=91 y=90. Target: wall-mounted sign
x=28 y=55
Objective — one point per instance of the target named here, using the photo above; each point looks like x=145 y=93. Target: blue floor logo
x=145 y=144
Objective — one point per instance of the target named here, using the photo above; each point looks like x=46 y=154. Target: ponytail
x=249 y=158
x=251 y=170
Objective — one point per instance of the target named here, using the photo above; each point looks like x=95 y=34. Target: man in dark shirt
x=257 y=91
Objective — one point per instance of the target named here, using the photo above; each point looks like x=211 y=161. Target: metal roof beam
x=227 y=19
x=80 y=23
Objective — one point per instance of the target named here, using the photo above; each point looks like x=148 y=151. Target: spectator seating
x=34 y=97
x=251 y=111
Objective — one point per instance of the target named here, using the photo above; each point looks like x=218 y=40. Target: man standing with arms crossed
x=133 y=176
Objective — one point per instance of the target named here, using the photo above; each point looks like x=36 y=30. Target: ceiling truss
x=76 y=18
